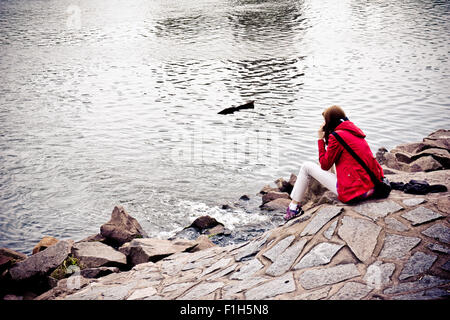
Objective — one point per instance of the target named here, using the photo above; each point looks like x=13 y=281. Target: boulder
x=380 y=155
x=427 y=163
x=9 y=257
x=95 y=237
x=267 y=188
x=279 y=204
x=150 y=249
x=201 y=243
x=283 y=185
x=97 y=254
x=122 y=227
x=92 y=273
x=440 y=155
x=46 y=242
x=272 y=195
x=41 y=263
x=204 y=222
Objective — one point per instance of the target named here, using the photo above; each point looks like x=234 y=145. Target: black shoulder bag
x=382 y=187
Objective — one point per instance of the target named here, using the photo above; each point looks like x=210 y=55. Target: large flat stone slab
x=439 y=232
x=329 y=232
x=320 y=219
x=421 y=215
x=379 y=274
x=314 y=295
x=201 y=290
x=97 y=254
x=280 y=285
x=352 y=291
x=278 y=248
x=231 y=290
x=413 y=201
x=426 y=282
x=397 y=247
x=376 y=210
x=319 y=255
x=247 y=270
x=222 y=263
x=417 y=264
x=360 y=235
x=284 y=262
x=252 y=248
x=311 y=279
x=394 y=224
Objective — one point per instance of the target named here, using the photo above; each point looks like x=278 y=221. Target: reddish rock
x=272 y=195
x=46 y=242
x=204 y=222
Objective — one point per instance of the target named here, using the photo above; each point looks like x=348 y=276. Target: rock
x=320 y=219
x=321 y=254
x=418 y=263
x=423 y=283
x=222 y=263
x=314 y=295
x=397 y=247
x=201 y=290
x=204 y=222
x=279 y=204
x=276 y=250
x=283 y=185
x=446 y=266
x=425 y=164
x=421 y=215
x=250 y=249
x=376 y=210
x=201 y=243
x=232 y=289
x=351 y=291
x=46 y=242
x=378 y=274
x=150 y=249
x=267 y=188
x=65 y=287
x=141 y=294
x=438 y=248
x=285 y=260
x=95 y=237
x=41 y=263
x=247 y=270
x=272 y=195
x=439 y=232
x=9 y=257
x=330 y=231
x=93 y=273
x=97 y=254
x=122 y=227
x=394 y=224
x=407 y=147
x=413 y=201
x=11 y=297
x=380 y=155
x=314 y=278
x=361 y=236
x=440 y=155
x=280 y=285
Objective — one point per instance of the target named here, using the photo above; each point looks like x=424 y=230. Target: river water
x=107 y=102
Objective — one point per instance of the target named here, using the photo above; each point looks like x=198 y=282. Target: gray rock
x=284 y=262
x=223 y=272
x=421 y=215
x=311 y=279
x=351 y=291
x=329 y=232
x=423 y=164
x=314 y=295
x=446 y=266
x=201 y=290
x=378 y=274
x=231 y=290
x=41 y=263
x=173 y=291
x=97 y=254
x=150 y=249
x=278 y=248
x=376 y=210
x=418 y=263
x=321 y=254
x=247 y=270
x=98 y=272
x=394 y=224
x=438 y=248
x=439 y=232
x=122 y=227
x=413 y=296
x=426 y=282
x=141 y=294
x=320 y=219
x=280 y=285
x=397 y=247
x=279 y=204
x=360 y=235
x=250 y=249
x=222 y=263
x=413 y=201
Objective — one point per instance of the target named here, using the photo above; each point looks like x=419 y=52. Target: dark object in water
x=248 y=105
x=418 y=187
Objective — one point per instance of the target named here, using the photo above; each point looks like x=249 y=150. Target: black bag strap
x=374 y=179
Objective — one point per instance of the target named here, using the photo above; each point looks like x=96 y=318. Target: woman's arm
x=328 y=157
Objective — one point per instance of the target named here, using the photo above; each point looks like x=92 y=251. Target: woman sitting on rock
x=351 y=182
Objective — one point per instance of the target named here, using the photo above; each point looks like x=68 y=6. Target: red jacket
x=352 y=179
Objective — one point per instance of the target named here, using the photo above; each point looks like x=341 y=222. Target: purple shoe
x=291 y=214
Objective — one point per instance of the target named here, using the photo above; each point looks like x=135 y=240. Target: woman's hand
x=321 y=133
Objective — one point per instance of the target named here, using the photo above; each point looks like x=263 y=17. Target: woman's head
x=332 y=116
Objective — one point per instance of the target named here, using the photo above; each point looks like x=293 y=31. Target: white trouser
x=309 y=169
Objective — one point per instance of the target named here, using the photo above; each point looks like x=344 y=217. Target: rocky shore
x=394 y=248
